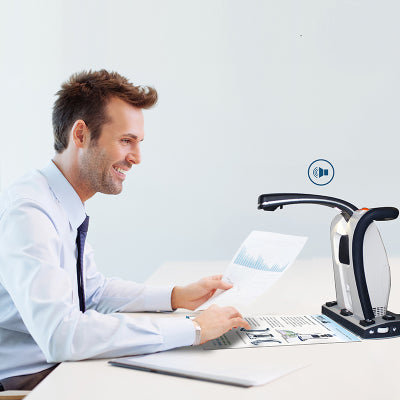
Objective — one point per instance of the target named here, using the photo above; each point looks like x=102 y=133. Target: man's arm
x=118 y=295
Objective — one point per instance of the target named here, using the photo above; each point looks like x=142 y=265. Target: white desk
x=367 y=370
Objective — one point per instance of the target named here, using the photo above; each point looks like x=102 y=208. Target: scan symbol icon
x=321 y=172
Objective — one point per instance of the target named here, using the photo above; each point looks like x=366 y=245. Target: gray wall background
x=250 y=94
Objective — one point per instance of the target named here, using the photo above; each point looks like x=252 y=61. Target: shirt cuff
x=177 y=332
x=158 y=298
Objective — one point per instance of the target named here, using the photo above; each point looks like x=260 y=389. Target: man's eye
x=126 y=141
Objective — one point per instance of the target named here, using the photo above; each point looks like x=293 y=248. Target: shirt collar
x=65 y=194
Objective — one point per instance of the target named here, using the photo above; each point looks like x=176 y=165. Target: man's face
x=105 y=162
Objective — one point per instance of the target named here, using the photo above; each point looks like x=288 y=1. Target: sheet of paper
x=283 y=330
x=252 y=369
x=260 y=261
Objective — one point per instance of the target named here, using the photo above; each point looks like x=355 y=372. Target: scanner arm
x=270 y=202
x=374 y=214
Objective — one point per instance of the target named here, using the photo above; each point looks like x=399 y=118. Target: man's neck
x=71 y=174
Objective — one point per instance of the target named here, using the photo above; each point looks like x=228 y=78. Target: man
x=55 y=305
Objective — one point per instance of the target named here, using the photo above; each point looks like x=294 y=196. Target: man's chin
x=111 y=190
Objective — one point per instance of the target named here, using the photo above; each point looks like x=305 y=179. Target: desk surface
x=367 y=369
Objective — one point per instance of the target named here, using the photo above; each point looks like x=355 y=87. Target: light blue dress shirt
x=40 y=320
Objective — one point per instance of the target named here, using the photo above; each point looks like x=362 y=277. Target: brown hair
x=85 y=96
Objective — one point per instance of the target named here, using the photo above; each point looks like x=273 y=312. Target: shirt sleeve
x=41 y=290
x=109 y=295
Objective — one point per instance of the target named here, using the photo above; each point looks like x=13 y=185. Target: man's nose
x=134 y=157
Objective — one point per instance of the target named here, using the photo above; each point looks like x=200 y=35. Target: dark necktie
x=80 y=243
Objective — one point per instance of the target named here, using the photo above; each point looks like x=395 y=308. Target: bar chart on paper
x=259 y=262
x=245 y=259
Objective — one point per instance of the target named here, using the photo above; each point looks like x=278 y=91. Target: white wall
x=250 y=93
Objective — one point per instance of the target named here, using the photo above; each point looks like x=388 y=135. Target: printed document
x=283 y=330
x=260 y=261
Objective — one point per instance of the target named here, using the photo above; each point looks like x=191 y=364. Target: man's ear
x=80 y=134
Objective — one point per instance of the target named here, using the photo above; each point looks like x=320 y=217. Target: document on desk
x=193 y=362
x=260 y=261
x=283 y=330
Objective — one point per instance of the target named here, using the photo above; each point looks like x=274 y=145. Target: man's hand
x=216 y=320
x=195 y=294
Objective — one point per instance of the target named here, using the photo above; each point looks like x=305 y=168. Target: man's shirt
x=40 y=320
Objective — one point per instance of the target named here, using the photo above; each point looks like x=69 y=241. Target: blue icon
x=318 y=172
x=321 y=172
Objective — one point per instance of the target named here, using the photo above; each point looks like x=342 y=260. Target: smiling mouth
x=120 y=172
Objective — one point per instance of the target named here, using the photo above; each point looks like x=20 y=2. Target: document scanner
x=360 y=264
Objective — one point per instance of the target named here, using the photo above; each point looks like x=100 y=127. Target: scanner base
x=380 y=329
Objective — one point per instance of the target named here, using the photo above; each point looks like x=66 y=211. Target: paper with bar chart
x=257 y=265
